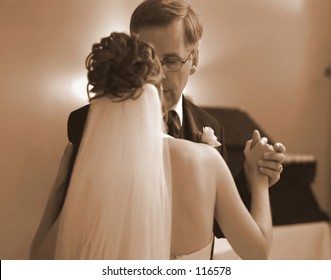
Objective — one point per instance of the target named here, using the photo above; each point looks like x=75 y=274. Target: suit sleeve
x=75 y=129
x=43 y=243
x=76 y=124
x=240 y=178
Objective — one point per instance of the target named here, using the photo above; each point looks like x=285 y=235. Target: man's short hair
x=162 y=13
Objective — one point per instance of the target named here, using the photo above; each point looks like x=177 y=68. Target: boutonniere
x=207 y=136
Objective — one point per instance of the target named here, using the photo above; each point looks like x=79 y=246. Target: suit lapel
x=190 y=128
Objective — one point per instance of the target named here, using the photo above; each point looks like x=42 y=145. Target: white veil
x=118 y=202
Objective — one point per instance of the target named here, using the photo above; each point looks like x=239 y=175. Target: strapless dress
x=202 y=254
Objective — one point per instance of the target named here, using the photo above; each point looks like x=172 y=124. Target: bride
x=138 y=194
x=117 y=205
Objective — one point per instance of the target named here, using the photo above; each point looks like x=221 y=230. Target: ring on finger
x=280 y=169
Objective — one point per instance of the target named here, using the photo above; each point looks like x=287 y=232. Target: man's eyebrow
x=171 y=55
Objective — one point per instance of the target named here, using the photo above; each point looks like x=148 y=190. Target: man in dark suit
x=174 y=30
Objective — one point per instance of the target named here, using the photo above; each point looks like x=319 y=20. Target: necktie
x=173 y=124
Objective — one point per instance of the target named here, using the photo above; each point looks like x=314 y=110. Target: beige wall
x=268 y=58
x=265 y=57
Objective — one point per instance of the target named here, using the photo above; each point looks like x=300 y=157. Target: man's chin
x=169 y=101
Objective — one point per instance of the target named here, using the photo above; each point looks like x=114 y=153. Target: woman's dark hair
x=119 y=65
x=164 y=12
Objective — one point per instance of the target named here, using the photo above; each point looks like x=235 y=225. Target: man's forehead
x=166 y=40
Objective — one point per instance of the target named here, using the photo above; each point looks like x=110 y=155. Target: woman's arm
x=249 y=234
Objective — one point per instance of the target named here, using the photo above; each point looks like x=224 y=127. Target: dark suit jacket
x=194 y=119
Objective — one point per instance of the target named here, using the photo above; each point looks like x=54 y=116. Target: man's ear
x=195 y=61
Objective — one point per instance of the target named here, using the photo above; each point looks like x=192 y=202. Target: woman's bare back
x=193 y=195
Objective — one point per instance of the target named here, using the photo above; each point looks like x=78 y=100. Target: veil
x=118 y=202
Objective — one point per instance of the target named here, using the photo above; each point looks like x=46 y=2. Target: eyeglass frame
x=177 y=60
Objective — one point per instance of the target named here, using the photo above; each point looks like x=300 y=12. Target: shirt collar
x=179 y=109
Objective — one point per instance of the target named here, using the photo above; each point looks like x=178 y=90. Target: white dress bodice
x=202 y=254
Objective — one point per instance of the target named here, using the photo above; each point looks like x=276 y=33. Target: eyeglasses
x=173 y=64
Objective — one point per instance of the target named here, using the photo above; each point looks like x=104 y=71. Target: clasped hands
x=269 y=162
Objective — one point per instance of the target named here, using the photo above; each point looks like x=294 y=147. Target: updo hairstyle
x=120 y=65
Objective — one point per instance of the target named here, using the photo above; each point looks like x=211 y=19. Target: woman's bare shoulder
x=189 y=150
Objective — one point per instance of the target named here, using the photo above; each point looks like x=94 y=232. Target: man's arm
x=53 y=206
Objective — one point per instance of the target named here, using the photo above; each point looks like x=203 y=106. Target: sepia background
x=265 y=57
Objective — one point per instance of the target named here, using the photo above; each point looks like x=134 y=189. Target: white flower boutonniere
x=207 y=136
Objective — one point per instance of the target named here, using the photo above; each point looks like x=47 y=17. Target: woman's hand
x=254 y=152
x=271 y=163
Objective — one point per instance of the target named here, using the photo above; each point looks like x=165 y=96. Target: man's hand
x=271 y=163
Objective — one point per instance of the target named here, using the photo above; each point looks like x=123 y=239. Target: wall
x=265 y=57
x=269 y=58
